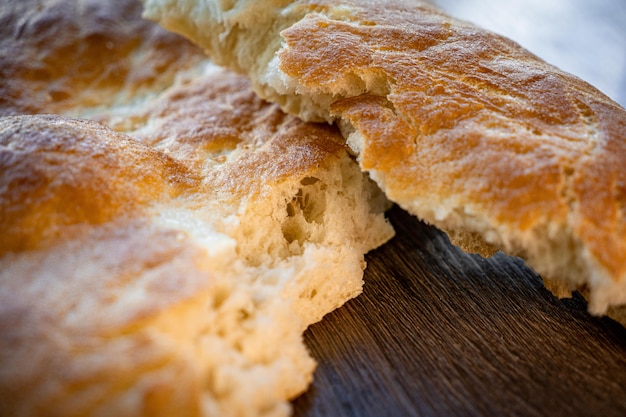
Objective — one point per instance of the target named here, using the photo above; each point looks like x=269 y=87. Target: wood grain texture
x=438 y=332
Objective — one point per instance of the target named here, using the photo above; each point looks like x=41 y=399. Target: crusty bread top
x=57 y=173
x=460 y=126
x=71 y=56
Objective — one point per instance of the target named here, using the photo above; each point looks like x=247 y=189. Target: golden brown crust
x=59 y=172
x=53 y=54
x=217 y=124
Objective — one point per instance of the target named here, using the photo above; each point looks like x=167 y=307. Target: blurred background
x=586 y=38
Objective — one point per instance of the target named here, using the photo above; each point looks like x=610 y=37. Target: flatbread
x=461 y=127
x=167 y=236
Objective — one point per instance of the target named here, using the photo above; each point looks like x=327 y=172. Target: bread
x=164 y=257
x=461 y=127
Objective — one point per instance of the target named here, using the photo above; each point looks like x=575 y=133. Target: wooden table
x=438 y=332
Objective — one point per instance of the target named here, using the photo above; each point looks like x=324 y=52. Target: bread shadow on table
x=441 y=332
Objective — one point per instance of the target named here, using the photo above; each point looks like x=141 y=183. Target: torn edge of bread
x=165 y=257
x=402 y=78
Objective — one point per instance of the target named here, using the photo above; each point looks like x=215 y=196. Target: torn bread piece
x=165 y=257
x=461 y=127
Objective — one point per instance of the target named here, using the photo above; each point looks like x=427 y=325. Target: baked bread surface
x=165 y=244
x=458 y=125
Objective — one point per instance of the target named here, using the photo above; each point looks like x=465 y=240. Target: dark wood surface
x=438 y=332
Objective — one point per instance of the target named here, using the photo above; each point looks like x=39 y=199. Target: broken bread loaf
x=164 y=257
x=461 y=127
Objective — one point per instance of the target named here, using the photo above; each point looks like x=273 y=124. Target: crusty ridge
x=461 y=127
